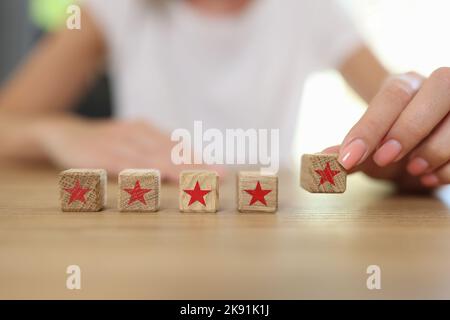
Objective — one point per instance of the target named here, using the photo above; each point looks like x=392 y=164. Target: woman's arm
x=57 y=72
x=50 y=81
x=364 y=73
x=35 y=122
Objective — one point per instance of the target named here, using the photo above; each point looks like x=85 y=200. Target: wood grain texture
x=139 y=190
x=92 y=180
x=322 y=173
x=317 y=246
x=208 y=181
x=247 y=183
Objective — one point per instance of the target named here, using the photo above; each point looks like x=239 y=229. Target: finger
x=122 y=155
x=149 y=147
x=145 y=135
x=437 y=178
x=426 y=110
x=143 y=146
x=386 y=107
x=335 y=150
x=433 y=152
x=443 y=174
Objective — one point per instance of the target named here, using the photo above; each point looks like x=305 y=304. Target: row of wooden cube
x=84 y=190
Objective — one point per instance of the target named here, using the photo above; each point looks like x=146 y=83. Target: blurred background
x=404 y=33
x=22 y=24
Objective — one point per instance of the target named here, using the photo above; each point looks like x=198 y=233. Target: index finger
x=383 y=111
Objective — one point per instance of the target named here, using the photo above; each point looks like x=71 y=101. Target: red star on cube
x=258 y=194
x=77 y=193
x=137 y=193
x=327 y=175
x=197 y=194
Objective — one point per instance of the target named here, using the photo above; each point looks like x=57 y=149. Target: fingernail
x=412 y=82
x=352 y=154
x=387 y=153
x=430 y=180
x=418 y=166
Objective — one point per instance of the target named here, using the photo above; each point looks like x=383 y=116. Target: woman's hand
x=108 y=144
x=405 y=131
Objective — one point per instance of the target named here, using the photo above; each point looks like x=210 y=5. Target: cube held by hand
x=322 y=173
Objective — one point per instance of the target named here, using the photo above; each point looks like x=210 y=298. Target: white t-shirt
x=173 y=65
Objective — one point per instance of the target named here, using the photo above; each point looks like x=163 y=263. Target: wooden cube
x=82 y=190
x=322 y=173
x=199 y=191
x=257 y=192
x=139 y=190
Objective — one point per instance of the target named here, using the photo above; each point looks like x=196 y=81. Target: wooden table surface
x=316 y=246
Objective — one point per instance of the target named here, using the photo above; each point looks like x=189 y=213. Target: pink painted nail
x=430 y=180
x=418 y=166
x=387 y=153
x=352 y=154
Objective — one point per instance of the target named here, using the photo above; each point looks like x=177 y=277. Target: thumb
x=331 y=150
x=335 y=150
